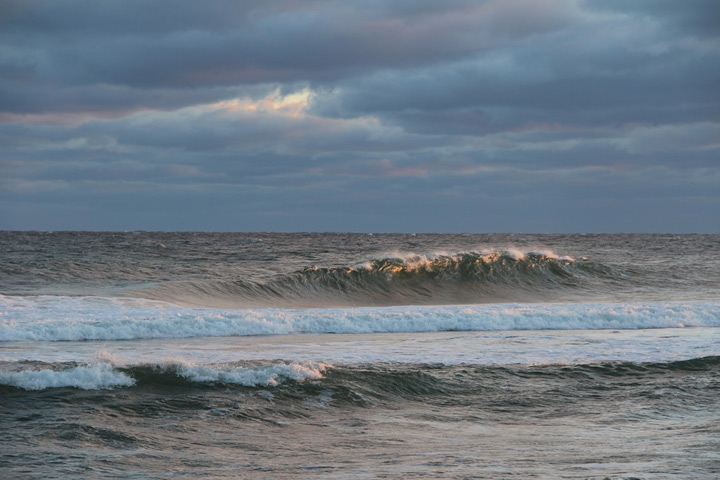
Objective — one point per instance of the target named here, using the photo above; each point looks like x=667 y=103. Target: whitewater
x=353 y=355
x=89 y=318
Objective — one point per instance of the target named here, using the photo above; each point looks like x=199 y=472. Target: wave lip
x=402 y=279
x=85 y=318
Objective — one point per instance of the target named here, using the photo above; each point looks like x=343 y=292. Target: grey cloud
x=693 y=17
x=492 y=94
x=107 y=101
x=145 y=45
x=518 y=115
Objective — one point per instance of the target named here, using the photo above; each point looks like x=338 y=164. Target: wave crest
x=471 y=277
x=105 y=375
x=84 y=377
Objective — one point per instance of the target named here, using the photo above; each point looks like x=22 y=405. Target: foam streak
x=89 y=318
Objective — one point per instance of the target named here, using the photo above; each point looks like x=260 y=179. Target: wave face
x=462 y=278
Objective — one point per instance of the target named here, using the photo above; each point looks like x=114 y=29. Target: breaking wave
x=85 y=377
x=94 y=318
x=394 y=381
x=462 y=278
x=104 y=375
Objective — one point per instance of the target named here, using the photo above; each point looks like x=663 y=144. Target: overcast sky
x=394 y=116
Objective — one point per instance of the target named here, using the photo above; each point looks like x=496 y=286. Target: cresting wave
x=375 y=380
x=472 y=277
x=104 y=375
x=95 y=318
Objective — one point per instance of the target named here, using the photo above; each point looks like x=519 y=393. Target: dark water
x=618 y=420
x=543 y=356
x=284 y=270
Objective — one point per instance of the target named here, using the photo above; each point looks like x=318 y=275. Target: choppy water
x=206 y=355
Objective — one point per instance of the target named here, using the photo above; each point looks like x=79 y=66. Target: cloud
x=699 y=136
x=696 y=20
x=341 y=112
x=116 y=48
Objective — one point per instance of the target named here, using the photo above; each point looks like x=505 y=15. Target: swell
x=280 y=392
x=382 y=380
x=440 y=279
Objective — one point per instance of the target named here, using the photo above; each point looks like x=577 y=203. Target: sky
x=367 y=116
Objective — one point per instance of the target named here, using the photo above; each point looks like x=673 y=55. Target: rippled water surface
x=204 y=355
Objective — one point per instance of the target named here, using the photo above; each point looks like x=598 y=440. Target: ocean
x=326 y=355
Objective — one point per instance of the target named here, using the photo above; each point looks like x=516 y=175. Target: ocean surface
x=264 y=355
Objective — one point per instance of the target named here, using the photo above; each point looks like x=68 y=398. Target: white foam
x=270 y=375
x=416 y=261
x=90 y=377
x=90 y=318
x=104 y=375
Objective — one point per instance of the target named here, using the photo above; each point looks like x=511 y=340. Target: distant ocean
x=264 y=355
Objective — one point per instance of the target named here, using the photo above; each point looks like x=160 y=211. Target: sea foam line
x=87 y=318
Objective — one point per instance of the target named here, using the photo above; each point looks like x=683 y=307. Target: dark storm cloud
x=564 y=79
x=143 y=45
x=359 y=115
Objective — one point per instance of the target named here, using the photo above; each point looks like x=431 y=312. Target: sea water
x=238 y=355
